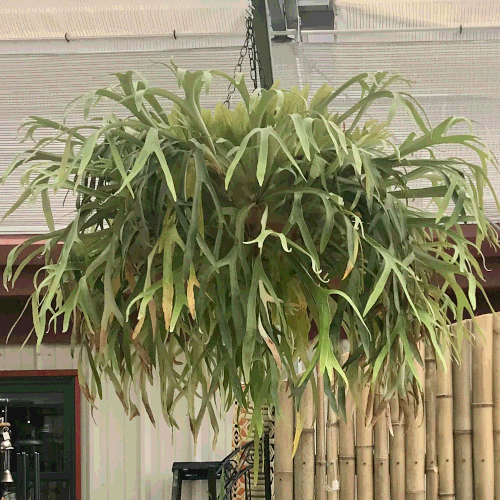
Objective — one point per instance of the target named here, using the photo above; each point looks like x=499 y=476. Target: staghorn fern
x=207 y=246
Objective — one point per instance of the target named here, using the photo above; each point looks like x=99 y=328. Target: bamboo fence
x=462 y=423
x=397 y=452
x=415 y=446
x=448 y=448
x=303 y=462
x=364 y=453
x=283 y=456
x=431 y=469
x=332 y=455
x=381 y=456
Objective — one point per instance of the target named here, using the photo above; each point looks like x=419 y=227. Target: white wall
x=122 y=459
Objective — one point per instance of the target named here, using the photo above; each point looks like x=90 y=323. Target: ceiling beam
x=292 y=14
x=277 y=15
x=261 y=32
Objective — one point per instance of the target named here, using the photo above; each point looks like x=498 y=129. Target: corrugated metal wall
x=458 y=77
x=84 y=18
x=122 y=459
x=43 y=78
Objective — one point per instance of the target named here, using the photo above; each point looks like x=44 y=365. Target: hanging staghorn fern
x=215 y=250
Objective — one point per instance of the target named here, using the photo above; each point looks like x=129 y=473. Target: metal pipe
x=70 y=38
x=267 y=466
x=389 y=30
x=37 y=475
x=22 y=475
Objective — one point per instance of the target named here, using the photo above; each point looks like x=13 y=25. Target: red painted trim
x=14 y=239
x=78 y=412
x=39 y=373
x=10 y=241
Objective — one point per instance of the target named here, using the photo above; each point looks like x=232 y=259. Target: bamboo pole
x=415 y=446
x=482 y=408
x=431 y=464
x=320 y=441
x=283 y=445
x=397 y=452
x=303 y=462
x=496 y=402
x=462 y=422
x=346 y=453
x=364 y=451
x=445 y=428
x=381 y=456
x=332 y=454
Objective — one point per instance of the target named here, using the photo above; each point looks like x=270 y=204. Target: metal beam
x=261 y=32
x=277 y=15
x=384 y=31
x=291 y=14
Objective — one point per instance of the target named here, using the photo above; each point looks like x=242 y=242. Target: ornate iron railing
x=232 y=478
x=235 y=471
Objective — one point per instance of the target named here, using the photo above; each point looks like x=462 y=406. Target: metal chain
x=250 y=48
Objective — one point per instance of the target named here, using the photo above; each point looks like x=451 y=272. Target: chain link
x=249 y=48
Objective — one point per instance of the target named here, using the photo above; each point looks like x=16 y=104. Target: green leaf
x=263 y=155
x=301 y=134
x=378 y=288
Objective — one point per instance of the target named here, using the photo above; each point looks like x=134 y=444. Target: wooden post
x=283 y=445
x=482 y=408
x=397 y=452
x=364 y=451
x=346 y=453
x=415 y=446
x=303 y=462
x=381 y=456
x=332 y=454
x=320 y=441
x=445 y=428
x=462 y=422
x=431 y=464
x=496 y=401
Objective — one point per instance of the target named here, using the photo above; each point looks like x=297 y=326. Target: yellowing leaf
x=117 y=283
x=190 y=180
x=152 y=313
x=192 y=282
x=348 y=270
x=299 y=425
x=138 y=327
x=270 y=344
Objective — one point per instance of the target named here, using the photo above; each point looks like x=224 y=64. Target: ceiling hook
x=66 y=37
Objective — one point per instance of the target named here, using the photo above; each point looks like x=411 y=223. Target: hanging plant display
x=212 y=250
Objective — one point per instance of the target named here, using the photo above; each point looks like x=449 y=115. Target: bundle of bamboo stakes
x=448 y=448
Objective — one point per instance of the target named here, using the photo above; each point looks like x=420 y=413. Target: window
x=42 y=412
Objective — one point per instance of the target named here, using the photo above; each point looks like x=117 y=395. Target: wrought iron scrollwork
x=235 y=470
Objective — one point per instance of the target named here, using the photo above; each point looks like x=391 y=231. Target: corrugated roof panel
x=386 y=14
x=32 y=19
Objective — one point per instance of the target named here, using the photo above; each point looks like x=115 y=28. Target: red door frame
x=78 y=426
